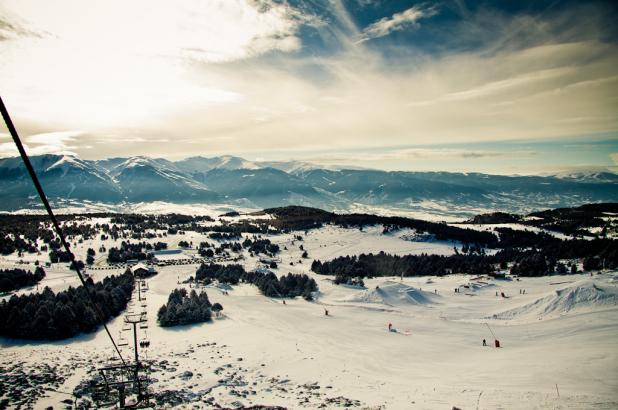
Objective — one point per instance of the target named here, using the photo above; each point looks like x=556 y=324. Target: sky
x=499 y=86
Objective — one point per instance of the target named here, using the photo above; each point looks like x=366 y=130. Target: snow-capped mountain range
x=234 y=180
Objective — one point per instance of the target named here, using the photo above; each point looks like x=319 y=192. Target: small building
x=143 y=271
x=268 y=260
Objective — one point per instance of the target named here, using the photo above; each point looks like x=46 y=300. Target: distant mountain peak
x=205 y=164
x=262 y=184
x=587 y=174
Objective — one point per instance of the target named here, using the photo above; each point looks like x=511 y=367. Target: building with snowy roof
x=143 y=271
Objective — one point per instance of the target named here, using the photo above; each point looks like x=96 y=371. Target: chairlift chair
x=122 y=341
x=145 y=342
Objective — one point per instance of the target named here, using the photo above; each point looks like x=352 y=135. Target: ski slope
x=562 y=333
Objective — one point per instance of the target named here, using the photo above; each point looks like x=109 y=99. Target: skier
x=484 y=342
x=390 y=327
x=325 y=312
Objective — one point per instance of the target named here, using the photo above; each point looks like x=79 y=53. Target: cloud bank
x=269 y=77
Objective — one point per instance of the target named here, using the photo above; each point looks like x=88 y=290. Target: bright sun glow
x=268 y=77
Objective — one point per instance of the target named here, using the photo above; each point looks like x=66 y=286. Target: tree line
x=128 y=251
x=295 y=218
x=573 y=221
x=54 y=316
x=288 y=286
x=259 y=245
x=595 y=254
x=183 y=308
x=13 y=279
x=347 y=268
x=224 y=236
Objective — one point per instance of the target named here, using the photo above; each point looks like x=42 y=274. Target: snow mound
x=224 y=286
x=479 y=286
x=394 y=294
x=584 y=297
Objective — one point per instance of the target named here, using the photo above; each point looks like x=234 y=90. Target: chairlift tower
x=141 y=284
x=126 y=375
x=134 y=320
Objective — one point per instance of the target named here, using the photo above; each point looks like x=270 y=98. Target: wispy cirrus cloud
x=398 y=21
x=423 y=153
x=59 y=139
x=11 y=28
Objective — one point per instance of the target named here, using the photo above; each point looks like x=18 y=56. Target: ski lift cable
x=492 y=332
x=39 y=188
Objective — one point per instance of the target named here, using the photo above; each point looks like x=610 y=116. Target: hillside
x=238 y=182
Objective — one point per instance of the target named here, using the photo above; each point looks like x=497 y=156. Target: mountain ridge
x=234 y=180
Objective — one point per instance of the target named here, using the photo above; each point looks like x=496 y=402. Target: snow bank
x=480 y=286
x=394 y=294
x=579 y=298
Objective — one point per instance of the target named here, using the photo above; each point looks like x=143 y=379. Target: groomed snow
x=433 y=360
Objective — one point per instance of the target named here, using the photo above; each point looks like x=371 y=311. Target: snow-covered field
x=156 y=207
x=332 y=241
x=427 y=210
x=559 y=339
